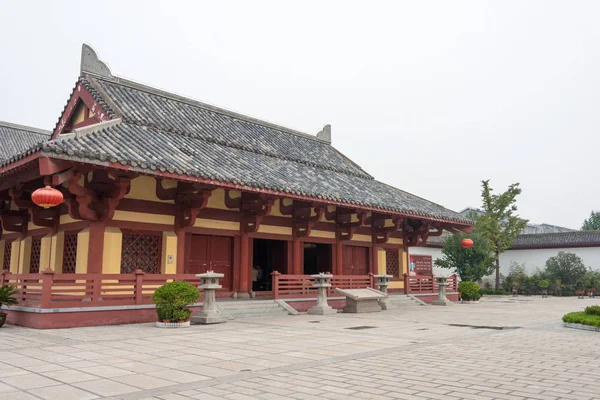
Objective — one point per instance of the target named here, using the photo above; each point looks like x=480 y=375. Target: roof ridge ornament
x=325 y=134
x=91 y=64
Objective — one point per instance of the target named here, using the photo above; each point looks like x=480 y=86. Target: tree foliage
x=500 y=224
x=470 y=264
x=568 y=268
x=592 y=223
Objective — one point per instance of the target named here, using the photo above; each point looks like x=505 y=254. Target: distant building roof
x=17 y=140
x=543 y=240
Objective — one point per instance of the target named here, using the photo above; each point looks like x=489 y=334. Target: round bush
x=544 y=284
x=593 y=310
x=172 y=300
x=469 y=290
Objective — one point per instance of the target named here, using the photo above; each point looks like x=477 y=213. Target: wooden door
x=360 y=260
x=211 y=253
x=347 y=256
x=355 y=260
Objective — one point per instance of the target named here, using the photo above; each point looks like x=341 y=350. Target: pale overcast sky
x=429 y=96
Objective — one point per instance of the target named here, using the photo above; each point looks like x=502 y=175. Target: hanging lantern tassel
x=466 y=243
x=47 y=197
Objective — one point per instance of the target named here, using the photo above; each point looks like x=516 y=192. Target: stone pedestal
x=209 y=282
x=383 y=281
x=322 y=282
x=442 y=300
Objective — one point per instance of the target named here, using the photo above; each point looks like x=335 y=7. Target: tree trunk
x=497 y=271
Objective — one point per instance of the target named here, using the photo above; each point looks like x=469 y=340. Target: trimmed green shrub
x=544 y=284
x=593 y=310
x=582 y=318
x=469 y=290
x=172 y=300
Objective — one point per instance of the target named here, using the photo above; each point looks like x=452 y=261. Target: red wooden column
x=95 y=247
x=244 y=280
x=338 y=269
x=297 y=254
x=374 y=258
x=180 y=232
x=236 y=264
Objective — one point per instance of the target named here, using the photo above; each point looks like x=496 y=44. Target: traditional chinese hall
x=159 y=187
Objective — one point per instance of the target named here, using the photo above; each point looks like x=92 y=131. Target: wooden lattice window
x=392 y=264
x=36 y=249
x=7 y=254
x=141 y=250
x=69 y=253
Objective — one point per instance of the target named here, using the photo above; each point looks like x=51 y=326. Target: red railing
x=300 y=286
x=51 y=290
x=427 y=284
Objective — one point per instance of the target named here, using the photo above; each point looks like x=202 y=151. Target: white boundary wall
x=532 y=258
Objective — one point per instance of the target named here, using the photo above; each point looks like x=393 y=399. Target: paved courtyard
x=407 y=353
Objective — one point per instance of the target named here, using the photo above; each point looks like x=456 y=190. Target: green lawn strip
x=582 y=318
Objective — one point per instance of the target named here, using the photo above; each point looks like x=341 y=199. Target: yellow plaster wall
x=381 y=261
x=25 y=255
x=322 y=234
x=216 y=224
x=111 y=254
x=66 y=219
x=169 y=253
x=79 y=114
x=217 y=198
x=56 y=251
x=14 y=256
x=45 y=251
x=361 y=238
x=83 y=243
x=143 y=217
x=144 y=188
x=395 y=241
x=277 y=230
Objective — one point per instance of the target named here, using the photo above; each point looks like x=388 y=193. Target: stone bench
x=361 y=300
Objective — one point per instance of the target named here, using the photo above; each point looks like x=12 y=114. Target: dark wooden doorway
x=215 y=253
x=317 y=258
x=355 y=260
x=268 y=255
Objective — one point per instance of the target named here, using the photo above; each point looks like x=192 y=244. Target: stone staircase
x=251 y=309
x=402 y=300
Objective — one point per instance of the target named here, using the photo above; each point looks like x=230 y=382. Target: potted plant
x=7 y=298
x=579 y=289
x=172 y=301
x=543 y=284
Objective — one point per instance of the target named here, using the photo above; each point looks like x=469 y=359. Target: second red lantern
x=466 y=243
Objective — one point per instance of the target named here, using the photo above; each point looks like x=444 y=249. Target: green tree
x=500 y=224
x=471 y=264
x=568 y=268
x=592 y=223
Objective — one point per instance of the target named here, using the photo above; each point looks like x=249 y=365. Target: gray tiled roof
x=559 y=239
x=543 y=240
x=155 y=131
x=18 y=141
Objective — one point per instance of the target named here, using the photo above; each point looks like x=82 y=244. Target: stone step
x=403 y=301
x=255 y=310
x=258 y=315
x=242 y=306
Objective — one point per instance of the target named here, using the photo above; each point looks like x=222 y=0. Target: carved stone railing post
x=442 y=300
x=209 y=282
x=322 y=282
x=383 y=281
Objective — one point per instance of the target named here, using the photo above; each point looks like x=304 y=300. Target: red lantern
x=47 y=197
x=466 y=243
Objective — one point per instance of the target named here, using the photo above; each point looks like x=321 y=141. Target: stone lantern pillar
x=209 y=282
x=383 y=281
x=442 y=300
x=322 y=282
